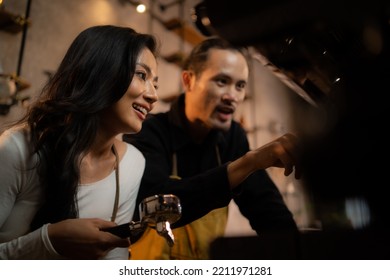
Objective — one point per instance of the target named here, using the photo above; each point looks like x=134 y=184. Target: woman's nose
x=151 y=95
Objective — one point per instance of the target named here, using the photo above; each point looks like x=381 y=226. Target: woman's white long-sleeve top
x=21 y=196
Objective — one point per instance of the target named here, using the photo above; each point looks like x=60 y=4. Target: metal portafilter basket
x=158 y=212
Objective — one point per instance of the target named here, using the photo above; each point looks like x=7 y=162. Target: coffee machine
x=336 y=55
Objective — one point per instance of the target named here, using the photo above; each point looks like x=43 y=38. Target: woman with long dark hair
x=59 y=165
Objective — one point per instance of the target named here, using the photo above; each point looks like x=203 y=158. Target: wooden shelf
x=15 y=98
x=12 y=23
x=176 y=58
x=187 y=32
x=21 y=84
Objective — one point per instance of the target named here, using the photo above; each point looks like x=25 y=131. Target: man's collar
x=176 y=114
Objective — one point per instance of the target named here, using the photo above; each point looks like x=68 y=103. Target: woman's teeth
x=141 y=109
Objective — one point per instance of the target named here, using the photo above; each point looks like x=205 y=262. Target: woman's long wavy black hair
x=94 y=74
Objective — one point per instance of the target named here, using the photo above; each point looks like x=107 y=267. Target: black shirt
x=204 y=184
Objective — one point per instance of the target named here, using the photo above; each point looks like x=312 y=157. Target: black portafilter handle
x=132 y=229
x=158 y=212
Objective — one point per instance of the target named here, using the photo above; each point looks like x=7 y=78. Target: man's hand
x=283 y=152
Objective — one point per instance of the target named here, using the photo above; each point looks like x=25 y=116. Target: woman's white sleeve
x=33 y=246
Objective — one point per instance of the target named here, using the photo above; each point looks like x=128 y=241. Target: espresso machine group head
x=158 y=212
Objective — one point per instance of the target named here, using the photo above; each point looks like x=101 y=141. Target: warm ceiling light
x=141 y=8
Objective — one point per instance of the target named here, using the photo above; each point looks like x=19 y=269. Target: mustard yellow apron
x=191 y=241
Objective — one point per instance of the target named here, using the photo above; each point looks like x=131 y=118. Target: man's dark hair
x=196 y=61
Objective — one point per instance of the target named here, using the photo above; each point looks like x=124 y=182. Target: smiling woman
x=130 y=111
x=63 y=157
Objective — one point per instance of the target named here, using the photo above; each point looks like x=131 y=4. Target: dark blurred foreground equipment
x=310 y=245
x=336 y=54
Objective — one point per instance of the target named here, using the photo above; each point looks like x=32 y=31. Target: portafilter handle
x=131 y=229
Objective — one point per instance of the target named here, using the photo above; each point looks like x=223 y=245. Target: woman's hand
x=83 y=239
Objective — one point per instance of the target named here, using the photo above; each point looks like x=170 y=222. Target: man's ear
x=186 y=77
